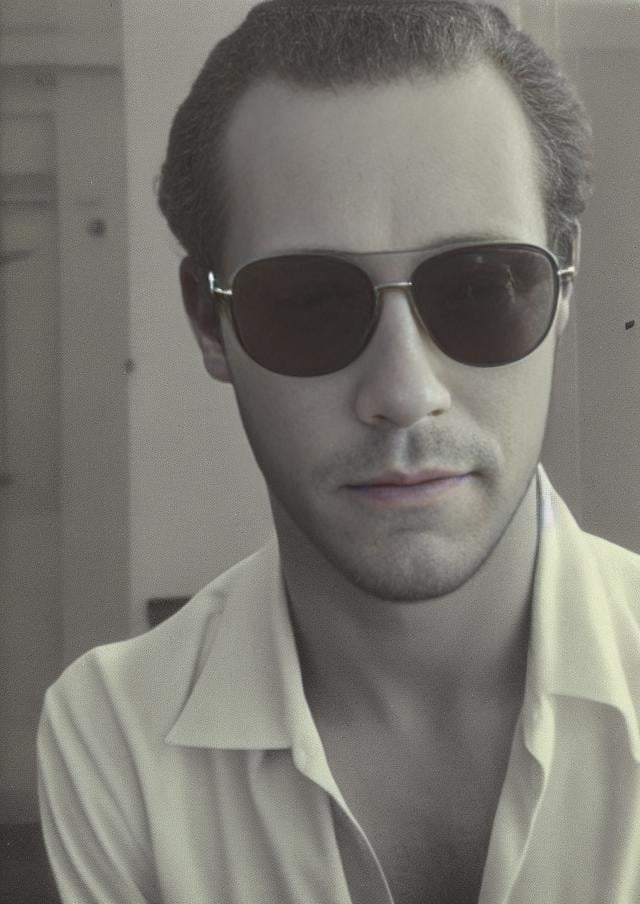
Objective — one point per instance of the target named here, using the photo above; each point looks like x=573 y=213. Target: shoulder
x=137 y=686
x=140 y=685
x=613 y=578
x=618 y=569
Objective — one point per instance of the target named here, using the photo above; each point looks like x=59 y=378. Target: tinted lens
x=302 y=315
x=487 y=306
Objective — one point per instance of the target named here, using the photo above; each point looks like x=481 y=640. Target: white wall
x=198 y=501
x=64 y=515
x=60 y=32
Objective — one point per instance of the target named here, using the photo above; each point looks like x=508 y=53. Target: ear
x=568 y=284
x=204 y=316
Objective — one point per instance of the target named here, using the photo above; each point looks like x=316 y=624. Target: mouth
x=412 y=494
x=398 y=479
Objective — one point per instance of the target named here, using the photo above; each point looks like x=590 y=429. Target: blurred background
x=125 y=475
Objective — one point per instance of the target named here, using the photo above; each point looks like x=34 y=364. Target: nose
x=402 y=371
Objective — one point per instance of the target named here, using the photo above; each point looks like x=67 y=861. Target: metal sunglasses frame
x=420 y=255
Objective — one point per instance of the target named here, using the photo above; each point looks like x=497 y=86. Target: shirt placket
x=519 y=803
x=363 y=872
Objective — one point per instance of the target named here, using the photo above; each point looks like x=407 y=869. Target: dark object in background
x=25 y=874
x=161 y=608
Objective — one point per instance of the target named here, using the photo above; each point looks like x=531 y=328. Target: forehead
x=400 y=165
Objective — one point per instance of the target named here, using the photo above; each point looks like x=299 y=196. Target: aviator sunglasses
x=303 y=314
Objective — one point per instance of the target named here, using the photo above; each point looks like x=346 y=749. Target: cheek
x=509 y=406
x=523 y=405
x=285 y=427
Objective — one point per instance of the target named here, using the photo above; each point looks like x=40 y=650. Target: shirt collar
x=249 y=694
x=584 y=631
x=248 y=691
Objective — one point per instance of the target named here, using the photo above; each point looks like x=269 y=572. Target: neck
x=393 y=660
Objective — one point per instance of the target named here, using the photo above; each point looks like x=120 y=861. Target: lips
x=396 y=478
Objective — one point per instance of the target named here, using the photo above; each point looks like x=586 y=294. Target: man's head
x=331 y=44
x=365 y=148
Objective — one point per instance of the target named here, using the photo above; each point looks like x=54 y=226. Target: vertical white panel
x=93 y=331
x=30 y=517
x=198 y=500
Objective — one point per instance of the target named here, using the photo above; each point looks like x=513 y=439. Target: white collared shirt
x=183 y=766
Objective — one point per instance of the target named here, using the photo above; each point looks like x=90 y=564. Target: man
x=424 y=687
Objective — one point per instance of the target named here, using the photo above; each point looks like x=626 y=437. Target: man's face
x=397 y=167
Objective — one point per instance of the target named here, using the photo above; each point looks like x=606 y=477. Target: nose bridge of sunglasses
x=402 y=290
x=391 y=274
